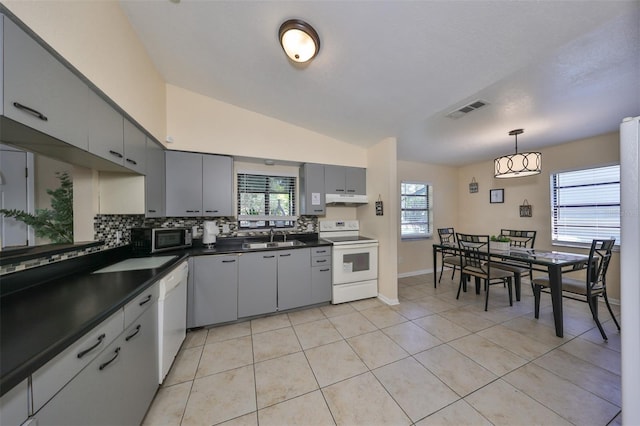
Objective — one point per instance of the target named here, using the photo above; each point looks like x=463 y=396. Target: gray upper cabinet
x=217 y=185
x=154 y=181
x=183 y=184
x=345 y=180
x=312 y=201
x=40 y=92
x=135 y=148
x=198 y=184
x=106 y=138
x=294 y=278
x=215 y=289
x=257 y=283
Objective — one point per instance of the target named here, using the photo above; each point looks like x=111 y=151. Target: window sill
x=417 y=238
x=585 y=246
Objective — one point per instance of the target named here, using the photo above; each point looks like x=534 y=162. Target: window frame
x=554 y=206
x=428 y=209
x=270 y=221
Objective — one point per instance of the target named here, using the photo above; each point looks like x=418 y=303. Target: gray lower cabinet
x=321 y=275
x=14 y=406
x=294 y=278
x=39 y=91
x=154 y=185
x=117 y=387
x=257 y=283
x=215 y=289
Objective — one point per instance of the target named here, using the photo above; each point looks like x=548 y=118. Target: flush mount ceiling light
x=299 y=40
x=518 y=164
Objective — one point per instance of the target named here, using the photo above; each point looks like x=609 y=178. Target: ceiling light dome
x=299 y=40
x=518 y=164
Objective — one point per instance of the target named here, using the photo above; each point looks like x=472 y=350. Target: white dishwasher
x=172 y=317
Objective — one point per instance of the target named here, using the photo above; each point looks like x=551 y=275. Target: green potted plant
x=56 y=223
x=500 y=242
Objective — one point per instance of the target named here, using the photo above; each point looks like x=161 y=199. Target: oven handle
x=354 y=246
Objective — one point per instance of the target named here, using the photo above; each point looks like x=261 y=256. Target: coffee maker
x=209 y=232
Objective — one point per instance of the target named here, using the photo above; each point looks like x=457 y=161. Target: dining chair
x=448 y=237
x=474 y=262
x=594 y=285
x=519 y=239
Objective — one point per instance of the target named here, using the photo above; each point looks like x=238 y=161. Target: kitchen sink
x=273 y=244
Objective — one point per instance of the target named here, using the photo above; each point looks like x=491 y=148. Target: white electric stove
x=355 y=260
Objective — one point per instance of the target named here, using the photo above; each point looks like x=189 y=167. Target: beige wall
x=477 y=215
x=415 y=256
x=199 y=123
x=97 y=39
x=382 y=181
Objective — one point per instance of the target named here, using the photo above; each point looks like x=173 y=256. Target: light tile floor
x=431 y=360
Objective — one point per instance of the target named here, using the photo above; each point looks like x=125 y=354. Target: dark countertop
x=43 y=310
x=39 y=322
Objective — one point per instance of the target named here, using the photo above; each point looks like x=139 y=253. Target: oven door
x=355 y=262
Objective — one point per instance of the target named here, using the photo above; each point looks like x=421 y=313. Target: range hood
x=345 y=199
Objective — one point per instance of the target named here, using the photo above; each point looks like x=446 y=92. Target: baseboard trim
x=387 y=300
x=413 y=273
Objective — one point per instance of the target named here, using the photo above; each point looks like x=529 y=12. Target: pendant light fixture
x=299 y=40
x=518 y=164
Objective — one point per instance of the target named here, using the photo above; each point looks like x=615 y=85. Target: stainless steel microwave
x=154 y=240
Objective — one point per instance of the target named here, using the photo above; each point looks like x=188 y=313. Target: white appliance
x=209 y=232
x=355 y=260
x=172 y=317
x=629 y=269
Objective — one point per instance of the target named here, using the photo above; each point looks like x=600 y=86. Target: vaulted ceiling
x=562 y=70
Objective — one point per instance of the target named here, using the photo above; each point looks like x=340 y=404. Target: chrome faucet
x=272 y=232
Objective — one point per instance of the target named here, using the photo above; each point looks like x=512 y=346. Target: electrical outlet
x=118 y=236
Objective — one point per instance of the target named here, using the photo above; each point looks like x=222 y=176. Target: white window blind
x=585 y=205
x=266 y=200
x=416 y=219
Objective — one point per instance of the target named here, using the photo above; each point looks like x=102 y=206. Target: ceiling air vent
x=461 y=112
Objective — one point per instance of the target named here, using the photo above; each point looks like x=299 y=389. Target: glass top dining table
x=552 y=262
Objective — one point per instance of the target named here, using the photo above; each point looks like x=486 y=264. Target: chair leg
x=486 y=297
x=606 y=300
x=462 y=282
x=510 y=291
x=536 y=297
x=454 y=272
x=593 y=305
x=441 y=270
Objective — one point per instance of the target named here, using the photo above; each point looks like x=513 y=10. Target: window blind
x=266 y=200
x=586 y=205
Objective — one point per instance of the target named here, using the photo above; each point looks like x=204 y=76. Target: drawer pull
x=115 y=153
x=321 y=251
x=211 y=211
x=318 y=210
x=285 y=255
x=325 y=270
x=145 y=300
x=131 y=336
x=117 y=352
x=193 y=211
x=321 y=260
x=86 y=351
x=268 y=257
x=228 y=261
x=38 y=114
x=151 y=211
x=134 y=162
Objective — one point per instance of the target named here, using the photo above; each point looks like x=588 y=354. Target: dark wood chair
x=593 y=286
x=448 y=237
x=519 y=239
x=474 y=263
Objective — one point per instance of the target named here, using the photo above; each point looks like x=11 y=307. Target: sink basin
x=274 y=244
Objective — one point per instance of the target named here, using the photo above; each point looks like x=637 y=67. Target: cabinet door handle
x=117 y=352
x=86 y=351
x=32 y=111
x=321 y=260
x=351 y=190
x=193 y=211
x=285 y=255
x=151 y=211
x=228 y=261
x=211 y=211
x=134 y=162
x=268 y=257
x=115 y=153
x=321 y=251
x=131 y=336
x=318 y=210
x=145 y=300
x=339 y=190
x=325 y=270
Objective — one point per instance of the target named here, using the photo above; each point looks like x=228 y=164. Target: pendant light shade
x=299 y=40
x=518 y=164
